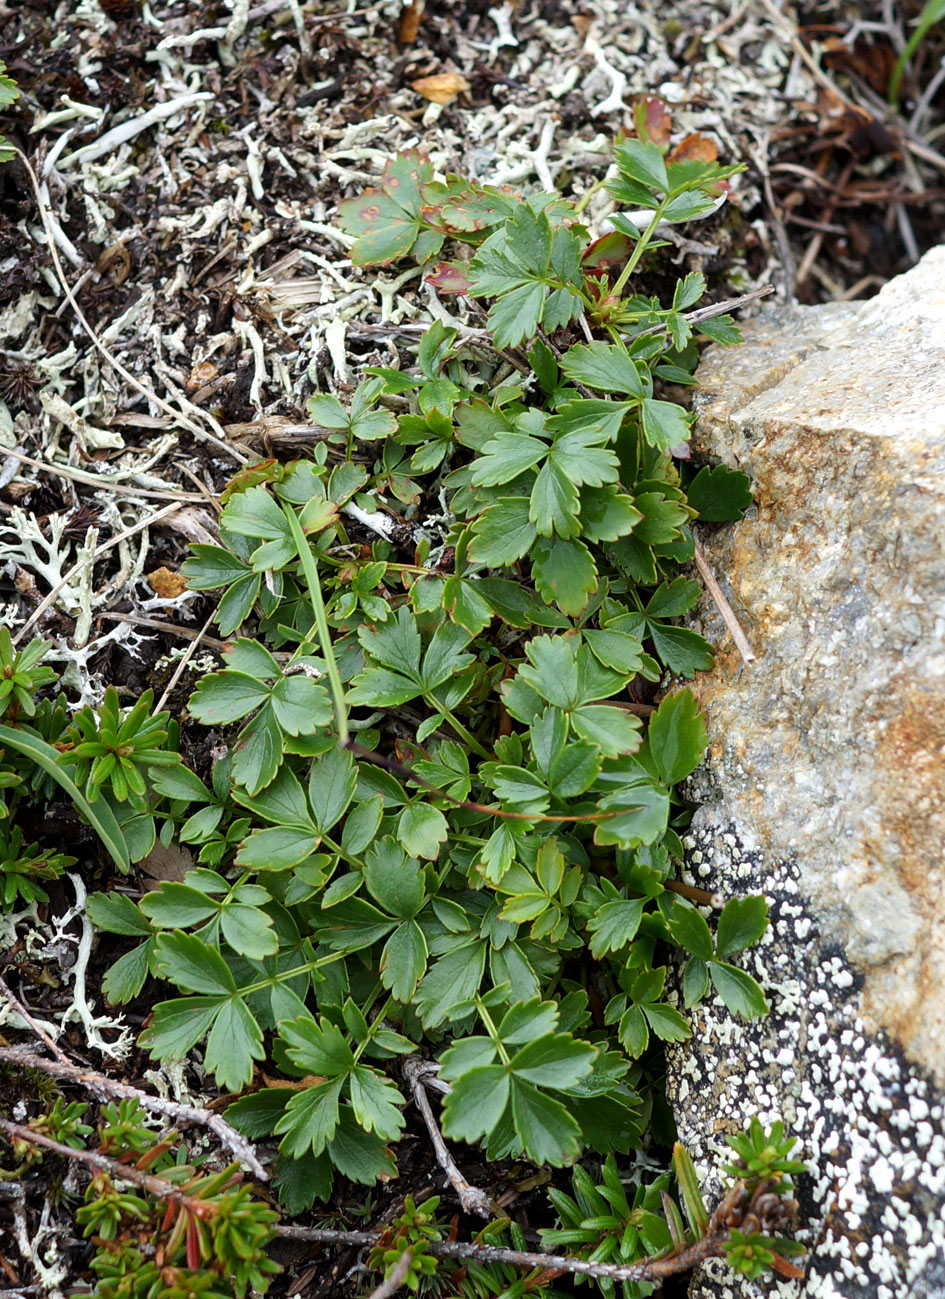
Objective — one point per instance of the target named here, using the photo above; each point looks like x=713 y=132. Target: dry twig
x=391 y=1284
x=711 y=1245
x=473 y=1200
x=723 y=606
x=103 y=1163
x=99 y=1084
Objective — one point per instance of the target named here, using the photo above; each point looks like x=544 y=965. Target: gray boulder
x=824 y=785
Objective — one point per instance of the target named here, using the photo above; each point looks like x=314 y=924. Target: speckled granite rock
x=824 y=785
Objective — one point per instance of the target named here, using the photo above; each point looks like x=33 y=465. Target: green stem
x=273 y=979
x=457 y=726
x=638 y=251
x=492 y=1030
x=310 y=569
x=373 y=1027
x=585 y=198
x=346 y=857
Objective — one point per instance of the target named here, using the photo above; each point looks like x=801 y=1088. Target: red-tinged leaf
x=449 y=277
x=266 y=471
x=780 y=1265
x=478 y=209
x=193 y=1246
x=609 y=250
x=385 y=230
x=697 y=147
x=652 y=118
x=404 y=175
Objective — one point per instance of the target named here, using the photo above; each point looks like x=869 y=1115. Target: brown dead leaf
x=162 y=863
x=442 y=87
x=167 y=584
x=409 y=23
x=696 y=146
x=202 y=373
x=874 y=63
x=116 y=261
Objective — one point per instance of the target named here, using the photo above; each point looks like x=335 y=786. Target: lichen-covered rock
x=824 y=785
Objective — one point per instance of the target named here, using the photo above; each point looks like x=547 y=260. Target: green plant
x=159 y=1225
x=112 y=750
x=502 y=810
x=626 y=1230
x=449 y=821
x=933 y=11
x=763 y=1155
x=9 y=92
x=23 y=868
x=612 y=1221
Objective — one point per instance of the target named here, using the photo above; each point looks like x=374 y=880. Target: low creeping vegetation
x=447 y=818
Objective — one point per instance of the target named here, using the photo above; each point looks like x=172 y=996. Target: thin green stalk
x=585 y=198
x=457 y=726
x=286 y=976
x=99 y=815
x=375 y=1024
x=492 y=1030
x=310 y=569
x=638 y=251
x=933 y=12
x=346 y=857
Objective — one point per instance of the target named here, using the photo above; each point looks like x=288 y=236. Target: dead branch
x=723 y=606
x=471 y=1197
x=115 y=1168
x=391 y=1284
x=180 y=1113
x=709 y=1246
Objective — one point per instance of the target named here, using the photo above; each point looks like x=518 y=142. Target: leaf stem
x=272 y=980
x=457 y=726
x=638 y=251
x=374 y=1025
x=492 y=1030
x=310 y=569
x=586 y=197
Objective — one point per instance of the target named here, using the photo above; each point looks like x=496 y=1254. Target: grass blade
x=101 y=818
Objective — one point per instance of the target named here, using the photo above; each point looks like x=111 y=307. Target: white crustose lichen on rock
x=824 y=786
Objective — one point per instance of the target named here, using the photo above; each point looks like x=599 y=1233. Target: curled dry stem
x=417 y=1072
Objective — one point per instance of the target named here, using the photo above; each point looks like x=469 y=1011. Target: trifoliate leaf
x=558 y=1061
x=642 y=161
x=614 y=925
x=503 y=532
x=564 y=573
x=476 y=1103
x=690 y=930
x=421 y=829
x=665 y=425
x=604 y=367
x=404 y=961
x=548 y=1133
